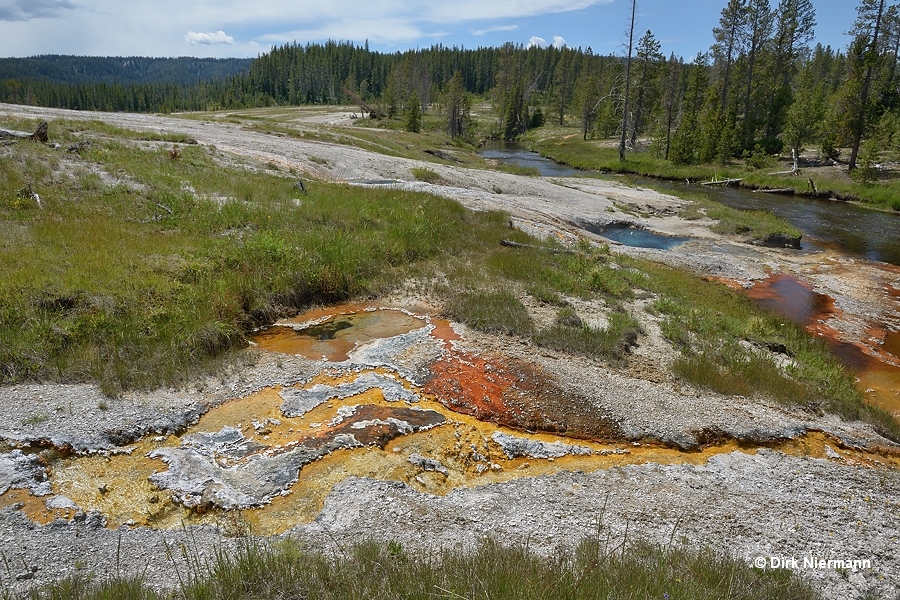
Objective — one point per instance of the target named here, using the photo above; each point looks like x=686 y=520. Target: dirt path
x=821 y=488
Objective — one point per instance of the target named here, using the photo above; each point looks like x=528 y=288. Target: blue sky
x=246 y=28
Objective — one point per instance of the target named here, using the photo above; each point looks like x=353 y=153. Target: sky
x=248 y=28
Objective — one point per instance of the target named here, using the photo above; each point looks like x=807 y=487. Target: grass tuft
x=612 y=343
x=498 y=311
x=489 y=570
x=426 y=175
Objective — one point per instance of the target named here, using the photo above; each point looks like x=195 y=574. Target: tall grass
x=136 y=281
x=491 y=570
x=590 y=273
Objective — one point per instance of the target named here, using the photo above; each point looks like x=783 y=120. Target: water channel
x=850 y=229
x=846 y=228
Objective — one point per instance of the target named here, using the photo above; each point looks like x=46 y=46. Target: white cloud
x=378 y=30
x=472 y=10
x=493 y=29
x=25 y=10
x=537 y=41
x=157 y=28
x=558 y=41
x=216 y=37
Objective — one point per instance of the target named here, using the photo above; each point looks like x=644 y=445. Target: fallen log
x=725 y=182
x=39 y=135
x=795 y=170
x=6 y=134
x=441 y=155
x=512 y=244
x=785 y=191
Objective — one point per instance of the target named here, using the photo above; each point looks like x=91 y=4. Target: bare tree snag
x=795 y=170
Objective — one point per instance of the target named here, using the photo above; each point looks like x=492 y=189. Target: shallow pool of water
x=789 y=297
x=333 y=337
x=637 y=237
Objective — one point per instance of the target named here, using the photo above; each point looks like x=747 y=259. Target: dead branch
x=367 y=109
x=512 y=244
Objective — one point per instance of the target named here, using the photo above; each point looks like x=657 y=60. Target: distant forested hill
x=130 y=70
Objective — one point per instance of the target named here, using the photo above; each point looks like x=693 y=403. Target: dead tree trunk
x=39 y=135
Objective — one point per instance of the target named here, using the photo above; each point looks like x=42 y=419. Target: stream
x=848 y=228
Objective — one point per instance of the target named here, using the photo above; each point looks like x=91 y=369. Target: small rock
x=61 y=503
x=428 y=464
x=95 y=519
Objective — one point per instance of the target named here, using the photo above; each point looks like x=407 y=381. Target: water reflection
x=789 y=297
x=517 y=154
x=860 y=232
x=857 y=231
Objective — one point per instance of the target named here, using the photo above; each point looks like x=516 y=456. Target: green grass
x=495 y=311
x=426 y=175
x=490 y=570
x=756 y=225
x=154 y=271
x=612 y=343
x=137 y=282
x=599 y=155
x=590 y=273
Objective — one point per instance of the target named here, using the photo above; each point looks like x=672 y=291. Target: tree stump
x=40 y=134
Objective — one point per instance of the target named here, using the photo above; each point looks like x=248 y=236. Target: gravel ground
x=767 y=504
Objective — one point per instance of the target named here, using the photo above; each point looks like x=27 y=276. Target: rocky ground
x=742 y=475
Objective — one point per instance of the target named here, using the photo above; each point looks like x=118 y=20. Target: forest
x=761 y=88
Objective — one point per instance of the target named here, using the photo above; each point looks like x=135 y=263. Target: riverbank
x=509 y=423
x=814 y=179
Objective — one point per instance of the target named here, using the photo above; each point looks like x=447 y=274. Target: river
x=848 y=228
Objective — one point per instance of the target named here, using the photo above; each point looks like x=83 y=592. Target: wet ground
x=395 y=400
x=875 y=360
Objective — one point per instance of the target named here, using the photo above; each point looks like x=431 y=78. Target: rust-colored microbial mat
x=790 y=297
x=267 y=461
x=876 y=367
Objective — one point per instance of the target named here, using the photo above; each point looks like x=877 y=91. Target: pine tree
x=457 y=106
x=587 y=98
x=649 y=57
x=725 y=50
x=687 y=136
x=413 y=122
x=865 y=61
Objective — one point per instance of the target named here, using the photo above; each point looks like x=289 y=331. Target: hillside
x=131 y=70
